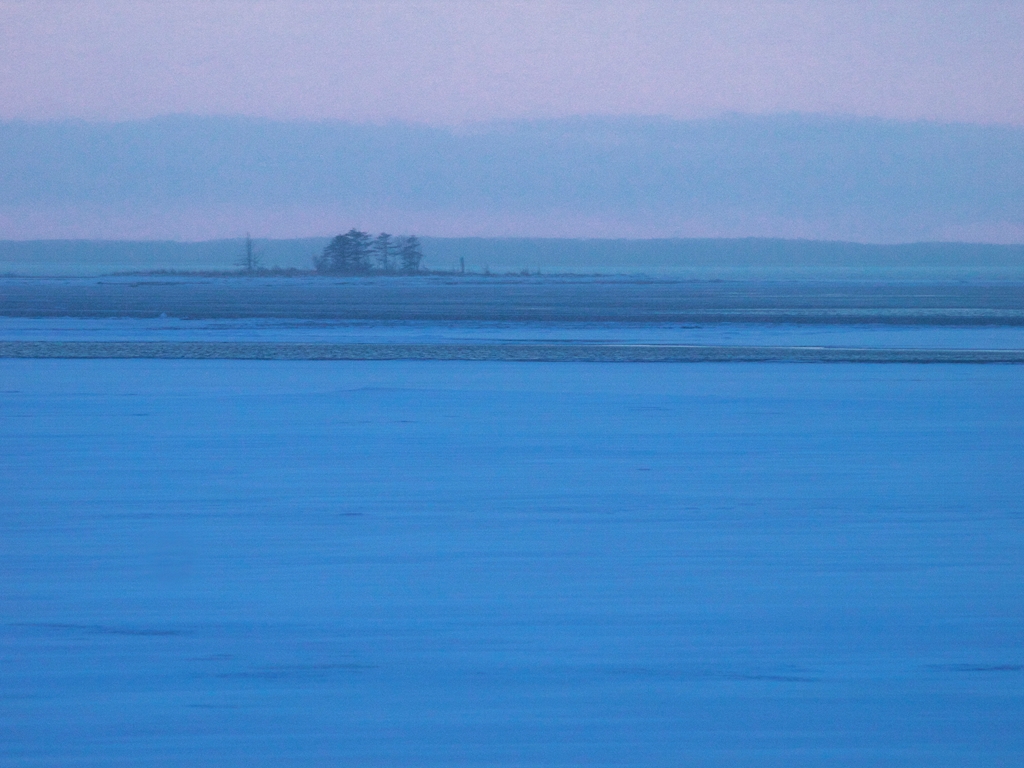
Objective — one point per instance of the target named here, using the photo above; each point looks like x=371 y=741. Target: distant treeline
x=358 y=252
x=733 y=259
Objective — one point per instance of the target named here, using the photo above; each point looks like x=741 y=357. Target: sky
x=460 y=63
x=464 y=60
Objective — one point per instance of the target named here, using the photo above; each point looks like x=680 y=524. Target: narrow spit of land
x=535 y=299
x=538 y=317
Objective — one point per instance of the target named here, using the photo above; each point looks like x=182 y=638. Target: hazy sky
x=460 y=60
x=712 y=88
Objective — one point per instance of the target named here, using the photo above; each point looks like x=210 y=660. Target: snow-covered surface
x=745 y=334
x=225 y=563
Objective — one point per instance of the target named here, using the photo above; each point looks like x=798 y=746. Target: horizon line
x=839 y=117
x=242 y=237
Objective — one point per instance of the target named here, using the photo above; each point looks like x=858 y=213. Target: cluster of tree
x=358 y=252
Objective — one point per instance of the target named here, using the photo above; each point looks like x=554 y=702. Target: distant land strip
x=540 y=353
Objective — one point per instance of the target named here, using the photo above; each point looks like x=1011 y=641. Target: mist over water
x=788 y=176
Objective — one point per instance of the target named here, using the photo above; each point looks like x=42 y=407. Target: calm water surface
x=228 y=563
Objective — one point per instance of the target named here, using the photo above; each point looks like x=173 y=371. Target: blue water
x=229 y=563
x=862 y=335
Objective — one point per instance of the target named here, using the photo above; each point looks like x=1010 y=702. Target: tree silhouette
x=250 y=261
x=346 y=254
x=384 y=252
x=410 y=254
x=356 y=252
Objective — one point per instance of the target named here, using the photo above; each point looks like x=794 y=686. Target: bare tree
x=250 y=261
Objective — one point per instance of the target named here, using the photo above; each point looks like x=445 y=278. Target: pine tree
x=384 y=250
x=410 y=254
x=362 y=246
x=356 y=252
x=346 y=254
x=336 y=256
